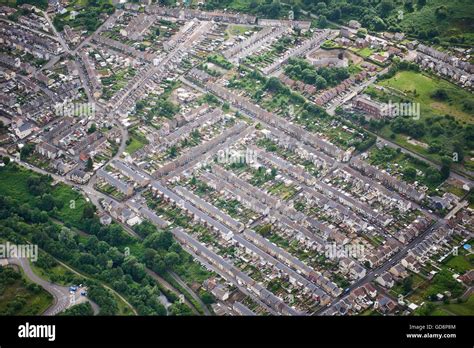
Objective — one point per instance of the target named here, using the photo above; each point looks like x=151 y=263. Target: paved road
x=105 y=286
x=388 y=264
x=58 y=35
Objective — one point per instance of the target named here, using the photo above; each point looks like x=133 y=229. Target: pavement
x=373 y=274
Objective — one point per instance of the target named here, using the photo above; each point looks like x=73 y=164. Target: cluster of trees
x=407 y=126
x=376 y=15
x=97 y=258
x=163 y=253
x=42 y=4
x=261 y=8
x=163 y=108
x=300 y=69
x=89 y=17
x=26 y=151
x=82 y=309
x=220 y=61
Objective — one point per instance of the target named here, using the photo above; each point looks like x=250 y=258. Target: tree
x=432 y=176
x=207 y=298
x=407 y=284
x=445 y=167
x=88 y=211
x=274 y=84
x=385 y=7
x=92 y=128
x=440 y=94
x=409 y=5
x=6 y=160
x=26 y=151
x=410 y=173
x=441 y=12
x=89 y=164
x=322 y=22
x=172 y=259
x=47 y=202
x=335 y=14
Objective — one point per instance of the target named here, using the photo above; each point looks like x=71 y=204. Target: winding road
x=61 y=295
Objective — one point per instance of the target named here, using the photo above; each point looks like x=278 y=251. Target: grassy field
x=364 y=52
x=461 y=263
x=420 y=87
x=136 y=142
x=13 y=183
x=73 y=204
x=465 y=308
x=18 y=298
x=235 y=30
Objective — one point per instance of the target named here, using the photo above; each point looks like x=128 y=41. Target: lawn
x=420 y=87
x=365 y=52
x=234 y=30
x=135 y=143
x=73 y=201
x=13 y=183
x=461 y=263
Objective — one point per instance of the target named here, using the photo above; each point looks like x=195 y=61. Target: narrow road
x=387 y=265
x=191 y=292
x=169 y=287
x=56 y=33
x=61 y=295
x=105 y=286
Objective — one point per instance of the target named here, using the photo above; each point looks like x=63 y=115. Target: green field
x=73 y=204
x=13 y=183
x=234 y=30
x=465 y=308
x=20 y=296
x=364 y=52
x=135 y=142
x=461 y=263
x=420 y=87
